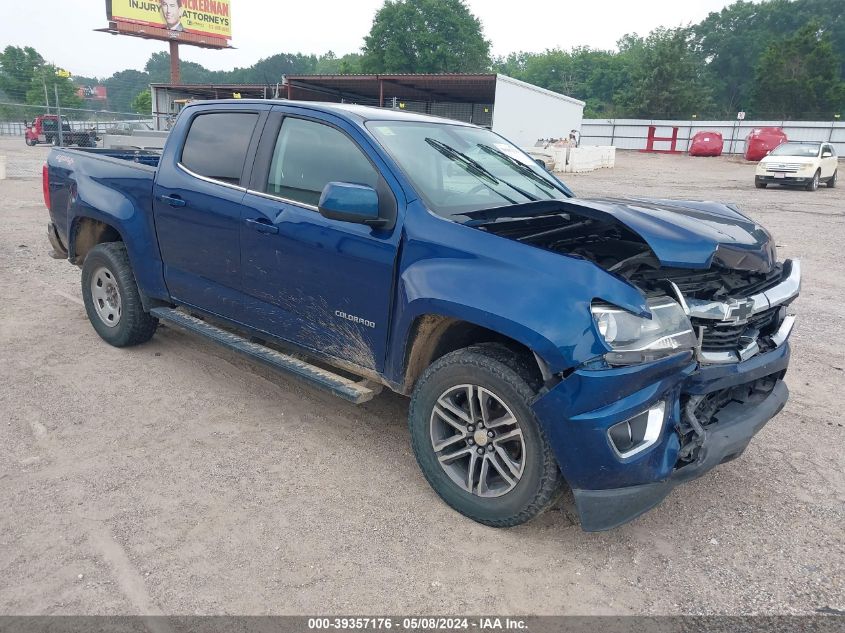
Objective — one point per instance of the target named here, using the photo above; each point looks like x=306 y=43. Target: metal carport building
x=518 y=110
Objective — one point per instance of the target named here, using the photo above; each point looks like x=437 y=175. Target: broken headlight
x=634 y=339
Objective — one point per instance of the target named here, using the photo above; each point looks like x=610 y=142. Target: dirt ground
x=176 y=478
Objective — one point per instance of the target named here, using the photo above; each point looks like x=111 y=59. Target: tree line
x=781 y=59
x=773 y=59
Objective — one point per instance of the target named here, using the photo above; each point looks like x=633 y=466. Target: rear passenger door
x=322 y=284
x=197 y=204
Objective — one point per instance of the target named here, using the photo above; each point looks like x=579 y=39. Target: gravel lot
x=176 y=478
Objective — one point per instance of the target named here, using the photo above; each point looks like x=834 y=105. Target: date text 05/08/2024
x=418 y=623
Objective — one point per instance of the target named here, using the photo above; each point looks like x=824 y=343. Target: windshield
x=807 y=150
x=458 y=169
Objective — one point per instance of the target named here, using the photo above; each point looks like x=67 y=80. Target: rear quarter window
x=217 y=143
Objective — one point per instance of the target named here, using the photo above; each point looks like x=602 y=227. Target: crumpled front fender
x=537 y=297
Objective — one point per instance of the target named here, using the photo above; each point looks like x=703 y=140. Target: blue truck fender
x=463 y=273
x=129 y=213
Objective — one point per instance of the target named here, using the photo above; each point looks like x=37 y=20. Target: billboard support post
x=175 y=70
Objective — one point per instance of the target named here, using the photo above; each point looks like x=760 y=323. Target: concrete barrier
x=589 y=158
x=568 y=159
x=2 y=168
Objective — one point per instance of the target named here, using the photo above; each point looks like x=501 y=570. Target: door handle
x=263 y=225
x=173 y=201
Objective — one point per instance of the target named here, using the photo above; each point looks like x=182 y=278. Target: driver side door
x=322 y=284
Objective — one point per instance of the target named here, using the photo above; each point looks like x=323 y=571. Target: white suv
x=802 y=164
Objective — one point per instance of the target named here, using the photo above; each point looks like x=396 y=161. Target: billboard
x=92 y=93
x=168 y=19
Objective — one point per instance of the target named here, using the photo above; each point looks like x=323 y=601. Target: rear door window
x=217 y=143
x=308 y=155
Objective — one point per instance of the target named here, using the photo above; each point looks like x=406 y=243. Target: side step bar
x=356 y=392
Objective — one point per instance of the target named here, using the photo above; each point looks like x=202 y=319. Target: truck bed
x=105 y=182
x=149 y=158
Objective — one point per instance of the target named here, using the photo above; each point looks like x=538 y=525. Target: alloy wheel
x=477 y=440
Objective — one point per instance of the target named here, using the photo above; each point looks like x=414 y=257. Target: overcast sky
x=62 y=31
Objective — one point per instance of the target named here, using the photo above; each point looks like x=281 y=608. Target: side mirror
x=827 y=154
x=541 y=163
x=348 y=202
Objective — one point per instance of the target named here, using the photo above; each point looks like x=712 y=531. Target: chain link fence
x=14 y=118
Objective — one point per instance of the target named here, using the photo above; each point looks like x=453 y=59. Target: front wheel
x=760 y=185
x=31 y=142
x=832 y=182
x=477 y=440
x=814 y=183
x=111 y=297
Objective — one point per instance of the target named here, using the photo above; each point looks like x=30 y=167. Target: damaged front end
x=736 y=316
x=677 y=392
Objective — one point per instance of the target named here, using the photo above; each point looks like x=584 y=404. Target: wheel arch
x=85 y=233
x=432 y=336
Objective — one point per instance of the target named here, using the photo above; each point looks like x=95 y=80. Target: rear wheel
x=477 y=440
x=111 y=297
x=814 y=183
x=832 y=182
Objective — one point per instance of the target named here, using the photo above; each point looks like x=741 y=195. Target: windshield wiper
x=525 y=170
x=476 y=169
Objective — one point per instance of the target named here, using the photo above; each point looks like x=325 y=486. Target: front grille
x=721 y=337
x=761 y=282
x=793 y=167
x=712 y=284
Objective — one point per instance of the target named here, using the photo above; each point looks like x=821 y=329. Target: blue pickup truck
x=620 y=347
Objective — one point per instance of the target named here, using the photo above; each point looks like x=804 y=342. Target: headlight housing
x=634 y=339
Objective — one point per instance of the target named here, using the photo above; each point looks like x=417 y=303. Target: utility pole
x=175 y=70
x=59 y=115
x=46 y=100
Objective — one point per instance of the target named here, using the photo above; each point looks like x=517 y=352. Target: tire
x=31 y=142
x=832 y=182
x=814 y=183
x=111 y=297
x=507 y=387
x=760 y=185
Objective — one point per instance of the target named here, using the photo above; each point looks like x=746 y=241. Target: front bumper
x=786 y=180
x=726 y=440
x=611 y=490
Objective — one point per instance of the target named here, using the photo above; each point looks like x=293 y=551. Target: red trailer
x=761 y=141
x=706 y=144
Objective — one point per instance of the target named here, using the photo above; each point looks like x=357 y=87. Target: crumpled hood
x=691 y=234
x=680 y=233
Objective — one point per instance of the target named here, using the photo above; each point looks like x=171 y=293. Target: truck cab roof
x=352 y=112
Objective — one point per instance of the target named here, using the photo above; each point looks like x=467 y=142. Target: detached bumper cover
x=607 y=509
